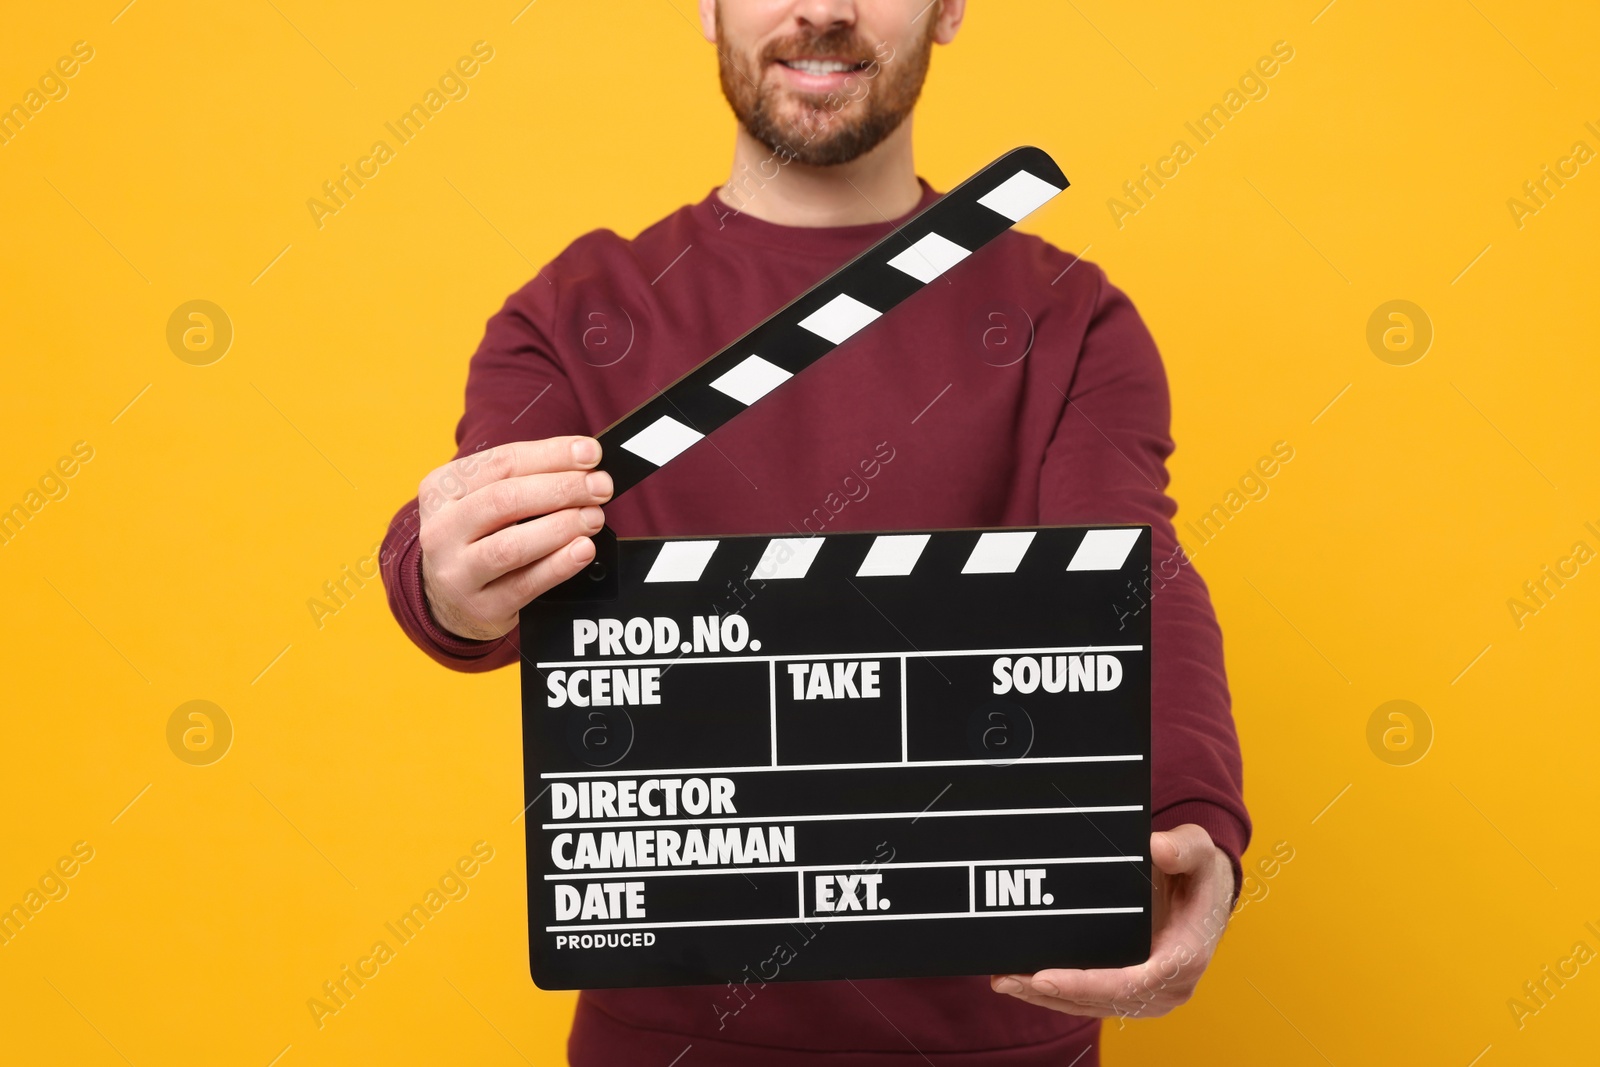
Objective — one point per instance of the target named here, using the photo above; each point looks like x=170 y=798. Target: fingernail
x=599 y=483
x=582 y=549
x=585 y=450
x=1049 y=989
x=1008 y=985
x=593 y=517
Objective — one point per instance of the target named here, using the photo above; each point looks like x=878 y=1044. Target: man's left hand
x=1191 y=902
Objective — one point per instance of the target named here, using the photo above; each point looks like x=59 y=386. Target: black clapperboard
x=904 y=754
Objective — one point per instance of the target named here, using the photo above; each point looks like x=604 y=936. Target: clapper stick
x=815 y=323
x=810 y=326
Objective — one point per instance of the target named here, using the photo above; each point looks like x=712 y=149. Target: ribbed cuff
x=402 y=564
x=452 y=646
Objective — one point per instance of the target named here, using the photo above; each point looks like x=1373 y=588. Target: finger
x=1070 y=1007
x=1196 y=887
x=516 y=589
x=1129 y=1002
x=520 y=544
x=1127 y=1008
x=501 y=503
x=1021 y=986
x=1194 y=920
x=461 y=477
x=1097 y=985
x=1147 y=996
x=1181 y=849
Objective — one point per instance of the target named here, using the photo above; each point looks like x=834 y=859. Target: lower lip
x=816 y=83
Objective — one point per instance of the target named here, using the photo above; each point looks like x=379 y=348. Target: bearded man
x=1022 y=389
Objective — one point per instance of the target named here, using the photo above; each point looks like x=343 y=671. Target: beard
x=824 y=129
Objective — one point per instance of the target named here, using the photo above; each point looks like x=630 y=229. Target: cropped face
x=824 y=81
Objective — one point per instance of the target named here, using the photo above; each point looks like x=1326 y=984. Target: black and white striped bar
x=809 y=327
x=887 y=555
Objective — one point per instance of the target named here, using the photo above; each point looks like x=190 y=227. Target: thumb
x=1181 y=849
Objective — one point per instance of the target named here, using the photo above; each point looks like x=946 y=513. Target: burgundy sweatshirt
x=1020 y=388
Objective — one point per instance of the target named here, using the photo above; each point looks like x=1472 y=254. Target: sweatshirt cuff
x=1226 y=831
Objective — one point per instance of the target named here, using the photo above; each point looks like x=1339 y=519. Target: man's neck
x=875 y=187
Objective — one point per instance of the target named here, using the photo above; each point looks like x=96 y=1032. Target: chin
x=817 y=123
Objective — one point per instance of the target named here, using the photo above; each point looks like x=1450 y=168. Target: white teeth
x=819 y=66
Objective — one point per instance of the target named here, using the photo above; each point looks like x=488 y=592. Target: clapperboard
x=904 y=753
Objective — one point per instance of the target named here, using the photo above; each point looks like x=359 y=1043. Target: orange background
x=219 y=498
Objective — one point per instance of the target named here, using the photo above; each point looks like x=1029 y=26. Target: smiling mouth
x=822 y=66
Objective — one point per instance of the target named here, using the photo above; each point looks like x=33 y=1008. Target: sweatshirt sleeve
x=1107 y=463
x=516 y=391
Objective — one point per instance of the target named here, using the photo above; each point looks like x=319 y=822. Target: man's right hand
x=480 y=562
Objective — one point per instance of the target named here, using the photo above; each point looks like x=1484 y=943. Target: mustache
x=840 y=44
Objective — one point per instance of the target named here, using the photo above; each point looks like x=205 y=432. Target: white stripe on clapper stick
x=842 y=315
x=839 y=318
x=681 y=561
x=788 y=557
x=998 y=553
x=751 y=380
x=1018 y=196
x=928 y=258
x=662 y=440
x=1103 y=550
x=892 y=555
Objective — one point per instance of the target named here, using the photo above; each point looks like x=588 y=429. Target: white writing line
x=844 y=817
x=880 y=917
x=814 y=657
x=772 y=706
x=652 y=772
x=691 y=872
x=905 y=733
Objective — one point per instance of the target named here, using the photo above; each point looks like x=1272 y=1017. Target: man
x=1021 y=389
